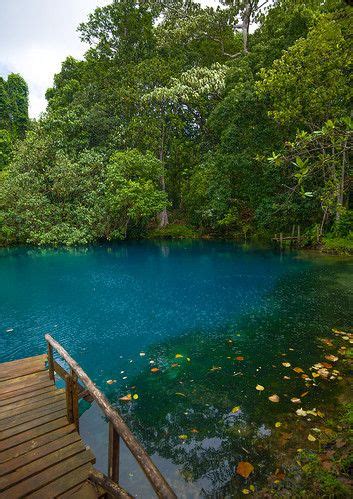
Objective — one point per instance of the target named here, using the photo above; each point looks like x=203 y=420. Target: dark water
x=208 y=302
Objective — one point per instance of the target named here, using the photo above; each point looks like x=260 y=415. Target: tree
x=133 y=194
x=309 y=84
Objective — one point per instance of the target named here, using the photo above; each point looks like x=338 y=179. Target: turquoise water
x=206 y=301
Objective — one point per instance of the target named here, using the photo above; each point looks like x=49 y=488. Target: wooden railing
x=117 y=426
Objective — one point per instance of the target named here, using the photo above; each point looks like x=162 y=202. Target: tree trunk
x=163 y=215
x=245 y=26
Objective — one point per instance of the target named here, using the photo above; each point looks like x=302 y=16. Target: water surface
x=190 y=309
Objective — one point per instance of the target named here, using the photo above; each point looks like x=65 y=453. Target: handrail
x=158 y=482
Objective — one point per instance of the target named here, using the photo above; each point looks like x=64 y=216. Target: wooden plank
x=27 y=395
x=85 y=490
x=16 y=421
x=36 y=442
x=64 y=484
x=33 y=433
x=39 y=465
x=40 y=480
x=50 y=447
x=10 y=432
x=26 y=388
x=19 y=362
x=23 y=381
x=30 y=404
x=28 y=368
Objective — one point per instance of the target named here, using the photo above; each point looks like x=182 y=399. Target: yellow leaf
x=183 y=437
x=180 y=394
x=246 y=491
x=286 y=364
x=278 y=424
x=126 y=398
x=244 y=469
x=135 y=396
x=178 y=356
x=298 y=370
x=315 y=375
x=295 y=400
x=154 y=370
x=188 y=359
x=260 y=388
x=332 y=358
x=273 y=398
x=235 y=409
x=311 y=438
x=252 y=488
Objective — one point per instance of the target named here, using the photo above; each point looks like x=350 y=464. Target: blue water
x=208 y=301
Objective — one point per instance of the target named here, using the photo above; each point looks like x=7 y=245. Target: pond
x=211 y=319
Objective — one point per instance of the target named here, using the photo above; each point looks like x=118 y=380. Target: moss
x=174 y=231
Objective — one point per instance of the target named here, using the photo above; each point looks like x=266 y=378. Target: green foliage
x=13 y=114
x=243 y=132
x=133 y=195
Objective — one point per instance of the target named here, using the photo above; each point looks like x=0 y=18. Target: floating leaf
x=278 y=424
x=304 y=394
x=194 y=430
x=111 y=381
x=135 y=396
x=244 y=469
x=188 y=359
x=273 y=398
x=154 y=370
x=235 y=409
x=298 y=370
x=311 y=438
x=286 y=364
x=183 y=437
x=246 y=491
x=326 y=365
x=142 y=354
x=315 y=375
x=295 y=400
x=126 y=398
x=179 y=356
x=332 y=358
x=175 y=364
x=240 y=357
x=252 y=488
x=260 y=388
x=286 y=377
x=301 y=412
x=180 y=394
x=215 y=368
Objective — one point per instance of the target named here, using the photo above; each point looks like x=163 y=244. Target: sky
x=37 y=35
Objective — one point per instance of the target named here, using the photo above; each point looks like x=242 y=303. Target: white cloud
x=37 y=35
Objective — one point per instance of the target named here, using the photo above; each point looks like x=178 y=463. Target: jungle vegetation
x=233 y=121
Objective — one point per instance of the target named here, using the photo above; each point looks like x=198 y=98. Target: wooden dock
x=41 y=452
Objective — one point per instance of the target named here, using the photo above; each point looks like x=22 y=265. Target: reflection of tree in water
x=195 y=397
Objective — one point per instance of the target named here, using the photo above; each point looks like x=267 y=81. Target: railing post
x=74 y=394
x=113 y=454
x=69 y=408
x=50 y=361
